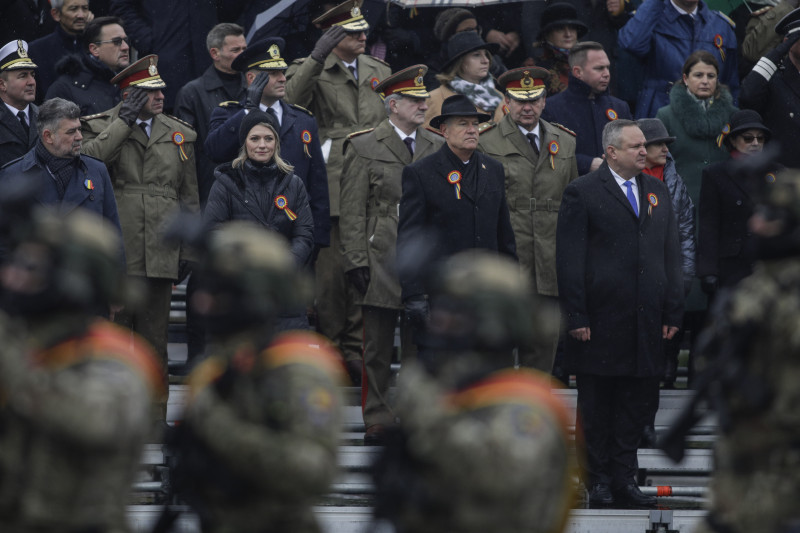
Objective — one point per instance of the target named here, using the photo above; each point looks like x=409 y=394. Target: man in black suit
x=453 y=200
x=17 y=110
x=619 y=277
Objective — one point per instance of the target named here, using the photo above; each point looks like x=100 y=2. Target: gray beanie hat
x=448 y=20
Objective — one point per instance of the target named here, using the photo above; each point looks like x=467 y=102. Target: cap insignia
x=274 y=52
x=21 y=49
x=419 y=79
x=527 y=81
x=355 y=11
x=152 y=68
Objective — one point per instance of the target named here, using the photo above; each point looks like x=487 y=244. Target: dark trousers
x=612 y=412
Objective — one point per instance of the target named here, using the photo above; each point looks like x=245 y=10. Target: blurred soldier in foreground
x=76 y=391
x=754 y=353
x=481 y=446
x=258 y=444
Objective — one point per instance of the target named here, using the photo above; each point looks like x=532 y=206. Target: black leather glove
x=709 y=284
x=132 y=105
x=184 y=269
x=776 y=54
x=417 y=311
x=254 y=92
x=327 y=43
x=359 y=278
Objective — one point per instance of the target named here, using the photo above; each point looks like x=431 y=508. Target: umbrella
x=727 y=6
x=291 y=16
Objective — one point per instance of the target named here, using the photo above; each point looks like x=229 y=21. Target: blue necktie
x=631 y=197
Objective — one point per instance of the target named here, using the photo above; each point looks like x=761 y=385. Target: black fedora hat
x=747 y=119
x=463 y=43
x=458 y=105
x=561 y=14
x=654 y=131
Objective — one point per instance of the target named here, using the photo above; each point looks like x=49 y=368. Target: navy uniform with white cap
x=773 y=89
x=371 y=190
x=17 y=91
x=300 y=144
x=336 y=83
x=535 y=178
x=150 y=156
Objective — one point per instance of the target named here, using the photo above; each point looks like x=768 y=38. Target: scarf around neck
x=482 y=94
x=61 y=168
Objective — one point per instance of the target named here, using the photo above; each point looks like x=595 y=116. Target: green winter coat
x=533 y=191
x=370 y=199
x=340 y=104
x=152 y=181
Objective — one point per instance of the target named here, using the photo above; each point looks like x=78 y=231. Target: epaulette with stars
x=564 y=128
x=483 y=127
x=183 y=122
x=301 y=108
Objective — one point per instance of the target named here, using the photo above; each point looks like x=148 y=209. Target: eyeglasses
x=750 y=138
x=116 y=41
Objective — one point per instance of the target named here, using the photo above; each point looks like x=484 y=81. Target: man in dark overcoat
x=619 y=279
x=452 y=200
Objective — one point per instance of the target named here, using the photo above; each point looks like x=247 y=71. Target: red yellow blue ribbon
x=454 y=178
x=306 y=138
x=179 y=139
x=652 y=199
x=283 y=204
x=718 y=44
x=726 y=129
x=611 y=114
x=89 y=184
x=553 y=149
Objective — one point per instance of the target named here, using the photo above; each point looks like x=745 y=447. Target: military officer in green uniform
x=150 y=157
x=756 y=475
x=370 y=195
x=77 y=391
x=481 y=446
x=538 y=158
x=257 y=446
x=336 y=84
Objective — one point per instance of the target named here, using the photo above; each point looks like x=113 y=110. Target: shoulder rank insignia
x=434 y=131
x=726 y=18
x=98 y=115
x=182 y=122
x=301 y=108
x=228 y=103
x=483 y=127
x=381 y=61
x=564 y=128
x=357 y=133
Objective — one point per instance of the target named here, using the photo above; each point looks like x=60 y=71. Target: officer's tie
x=631 y=197
x=24 y=121
x=353 y=71
x=532 y=138
x=143 y=125
x=410 y=145
x=274 y=115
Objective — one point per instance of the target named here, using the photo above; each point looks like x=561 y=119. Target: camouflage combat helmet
x=85 y=265
x=255 y=268
x=492 y=296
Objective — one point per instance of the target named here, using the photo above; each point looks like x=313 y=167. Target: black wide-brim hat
x=747 y=119
x=561 y=14
x=458 y=105
x=463 y=43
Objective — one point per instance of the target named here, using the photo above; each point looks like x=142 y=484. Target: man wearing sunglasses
x=86 y=78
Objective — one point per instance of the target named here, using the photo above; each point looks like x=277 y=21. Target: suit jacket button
x=738 y=202
x=91 y=197
x=641 y=308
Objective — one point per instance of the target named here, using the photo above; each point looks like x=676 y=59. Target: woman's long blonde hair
x=282 y=164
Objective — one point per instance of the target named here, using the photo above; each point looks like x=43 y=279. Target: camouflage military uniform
x=76 y=414
x=269 y=422
x=757 y=463
x=490 y=457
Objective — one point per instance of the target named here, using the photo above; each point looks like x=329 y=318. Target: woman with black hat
x=561 y=29
x=727 y=200
x=659 y=164
x=467 y=72
x=259 y=186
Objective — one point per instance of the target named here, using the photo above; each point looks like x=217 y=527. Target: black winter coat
x=618 y=275
x=250 y=193
x=13 y=141
x=87 y=82
x=46 y=53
